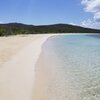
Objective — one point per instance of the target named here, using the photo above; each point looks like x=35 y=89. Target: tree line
x=19 y=28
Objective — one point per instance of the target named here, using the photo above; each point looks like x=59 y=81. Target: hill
x=19 y=28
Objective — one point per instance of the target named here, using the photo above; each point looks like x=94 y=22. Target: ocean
x=71 y=65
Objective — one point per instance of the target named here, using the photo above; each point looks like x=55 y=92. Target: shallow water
x=72 y=64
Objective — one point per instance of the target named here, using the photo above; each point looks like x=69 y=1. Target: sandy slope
x=17 y=75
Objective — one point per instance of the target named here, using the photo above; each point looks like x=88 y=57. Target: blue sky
x=44 y=11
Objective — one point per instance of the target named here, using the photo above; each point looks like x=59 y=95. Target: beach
x=10 y=45
x=18 y=57
x=50 y=67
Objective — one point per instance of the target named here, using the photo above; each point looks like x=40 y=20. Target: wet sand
x=68 y=68
x=50 y=82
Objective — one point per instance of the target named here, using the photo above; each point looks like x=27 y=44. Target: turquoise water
x=74 y=71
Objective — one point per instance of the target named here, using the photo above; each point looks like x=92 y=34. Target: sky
x=43 y=12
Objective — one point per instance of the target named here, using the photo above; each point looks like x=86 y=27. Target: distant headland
x=19 y=28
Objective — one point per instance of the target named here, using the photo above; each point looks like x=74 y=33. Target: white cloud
x=72 y=23
x=91 y=24
x=97 y=16
x=92 y=6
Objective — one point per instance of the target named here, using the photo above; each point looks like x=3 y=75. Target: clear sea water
x=74 y=71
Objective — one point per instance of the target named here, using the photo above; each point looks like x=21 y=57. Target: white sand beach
x=18 y=55
x=10 y=45
x=42 y=67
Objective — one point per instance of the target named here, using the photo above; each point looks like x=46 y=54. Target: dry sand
x=18 y=55
x=10 y=45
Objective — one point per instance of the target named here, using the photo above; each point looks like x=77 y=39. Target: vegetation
x=18 y=28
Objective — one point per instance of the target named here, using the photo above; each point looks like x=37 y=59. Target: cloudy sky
x=80 y=12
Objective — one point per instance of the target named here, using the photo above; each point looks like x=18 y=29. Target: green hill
x=19 y=28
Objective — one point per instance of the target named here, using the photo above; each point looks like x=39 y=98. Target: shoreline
x=10 y=46
x=17 y=75
x=61 y=72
